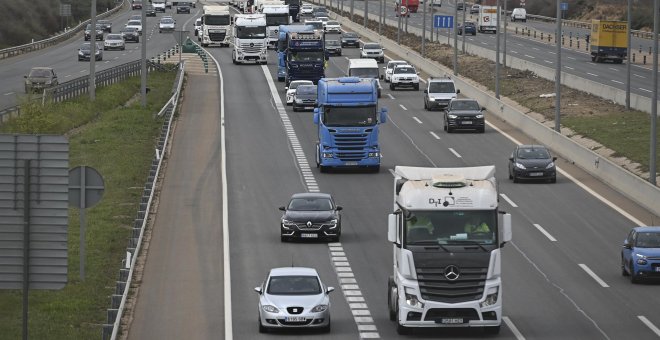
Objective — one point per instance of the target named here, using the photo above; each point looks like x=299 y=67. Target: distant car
x=319 y=11
x=114 y=42
x=474 y=9
x=98 y=32
x=333 y=47
x=460 y=6
x=159 y=5
x=198 y=27
x=464 y=114
x=311 y=216
x=137 y=17
x=306 y=9
x=107 y=25
x=151 y=11
x=183 y=7
x=130 y=34
x=532 y=162
x=85 y=51
x=404 y=75
x=40 y=78
x=317 y=24
x=293 y=297
x=136 y=4
x=305 y=98
x=390 y=67
x=350 y=39
x=519 y=14
x=135 y=24
x=439 y=92
x=469 y=27
x=640 y=255
x=373 y=50
x=291 y=89
x=332 y=26
x=166 y=25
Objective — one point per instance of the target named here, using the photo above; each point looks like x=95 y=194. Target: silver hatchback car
x=293 y=297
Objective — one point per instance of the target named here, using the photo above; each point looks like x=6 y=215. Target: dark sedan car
x=332 y=47
x=311 y=216
x=151 y=11
x=131 y=34
x=183 y=7
x=469 y=27
x=464 y=114
x=532 y=162
x=100 y=29
x=305 y=98
x=85 y=51
x=350 y=39
x=107 y=25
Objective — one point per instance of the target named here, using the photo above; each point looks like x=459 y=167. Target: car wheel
x=624 y=272
x=391 y=86
x=482 y=130
x=283 y=239
x=510 y=176
x=633 y=276
x=475 y=33
x=327 y=328
x=515 y=178
x=553 y=179
x=295 y=109
x=401 y=329
x=492 y=330
x=416 y=87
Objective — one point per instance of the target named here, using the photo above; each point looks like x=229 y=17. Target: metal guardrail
x=37 y=45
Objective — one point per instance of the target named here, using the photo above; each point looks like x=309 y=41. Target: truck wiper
x=471 y=242
x=433 y=243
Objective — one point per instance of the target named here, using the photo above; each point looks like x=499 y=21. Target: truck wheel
x=492 y=330
x=390 y=307
x=375 y=169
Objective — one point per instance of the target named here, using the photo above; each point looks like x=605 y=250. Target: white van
x=364 y=68
x=519 y=14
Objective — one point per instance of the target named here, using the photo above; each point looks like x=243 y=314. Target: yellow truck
x=609 y=41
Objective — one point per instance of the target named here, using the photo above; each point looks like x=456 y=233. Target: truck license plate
x=451 y=320
x=309 y=235
x=351 y=163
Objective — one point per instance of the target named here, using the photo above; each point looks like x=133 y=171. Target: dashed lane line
x=649 y=324
x=391 y=96
x=544 y=232
x=434 y=135
x=403 y=107
x=593 y=275
x=417 y=120
x=508 y=200
x=513 y=328
x=455 y=153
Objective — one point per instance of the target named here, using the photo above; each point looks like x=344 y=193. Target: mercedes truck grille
x=252 y=47
x=436 y=285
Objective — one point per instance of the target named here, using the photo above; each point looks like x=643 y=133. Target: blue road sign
x=443 y=21
x=564 y=6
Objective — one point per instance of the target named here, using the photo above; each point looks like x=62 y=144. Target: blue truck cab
x=282 y=45
x=305 y=56
x=347 y=118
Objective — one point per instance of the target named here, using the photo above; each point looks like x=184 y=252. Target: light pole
x=366 y=13
x=497 y=51
x=558 y=71
x=654 y=106
x=143 y=78
x=456 y=39
x=628 y=57
x=463 y=32
x=92 y=52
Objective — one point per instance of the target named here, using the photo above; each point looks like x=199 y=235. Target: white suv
x=439 y=92
x=372 y=50
x=404 y=75
x=390 y=67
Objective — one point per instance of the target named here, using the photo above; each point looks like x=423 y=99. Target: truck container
x=487 y=19
x=609 y=41
x=412 y=6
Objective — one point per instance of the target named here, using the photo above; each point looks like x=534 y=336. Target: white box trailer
x=487 y=19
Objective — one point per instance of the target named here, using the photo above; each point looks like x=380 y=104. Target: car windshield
x=134 y=23
x=85 y=47
x=294 y=285
x=648 y=240
x=364 y=72
x=306 y=89
x=400 y=70
x=255 y=32
x=331 y=43
x=450 y=227
x=371 y=46
x=113 y=37
x=349 y=35
x=392 y=64
x=40 y=73
x=441 y=87
x=349 y=116
x=333 y=23
x=129 y=29
x=166 y=21
x=469 y=23
x=306 y=56
x=464 y=105
x=310 y=204
x=315 y=24
x=99 y=27
x=529 y=153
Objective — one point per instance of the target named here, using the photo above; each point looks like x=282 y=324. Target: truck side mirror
x=381 y=76
x=316 y=116
x=506 y=229
x=391 y=228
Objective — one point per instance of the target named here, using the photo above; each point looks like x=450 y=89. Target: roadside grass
x=119 y=142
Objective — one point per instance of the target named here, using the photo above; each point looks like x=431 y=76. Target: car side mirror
x=554 y=159
x=627 y=245
x=329 y=290
x=25 y=77
x=458 y=91
x=381 y=76
x=258 y=290
x=483 y=109
x=282 y=208
x=339 y=207
x=511 y=159
x=426 y=91
x=286 y=88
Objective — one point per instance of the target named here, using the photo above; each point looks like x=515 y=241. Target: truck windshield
x=349 y=116
x=306 y=56
x=292 y=2
x=251 y=32
x=217 y=20
x=277 y=19
x=456 y=227
x=367 y=72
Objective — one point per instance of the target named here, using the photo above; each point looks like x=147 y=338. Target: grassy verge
x=118 y=140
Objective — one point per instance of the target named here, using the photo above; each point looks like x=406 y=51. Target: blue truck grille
x=350 y=146
x=469 y=286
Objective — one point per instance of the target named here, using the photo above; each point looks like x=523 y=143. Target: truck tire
x=492 y=330
x=390 y=308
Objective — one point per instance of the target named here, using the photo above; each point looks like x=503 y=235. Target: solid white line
x=391 y=96
x=593 y=275
x=645 y=90
x=455 y=153
x=513 y=328
x=592 y=74
x=649 y=324
x=580 y=184
x=616 y=81
x=637 y=75
x=544 y=232
x=506 y=198
x=67 y=76
x=403 y=107
x=568 y=67
x=434 y=135
x=529 y=56
x=417 y=120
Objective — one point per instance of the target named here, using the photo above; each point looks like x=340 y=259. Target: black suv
x=464 y=114
x=183 y=7
x=350 y=39
x=311 y=216
x=107 y=25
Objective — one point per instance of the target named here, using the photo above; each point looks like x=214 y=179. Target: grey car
x=350 y=39
x=332 y=47
x=305 y=98
x=85 y=50
x=311 y=216
x=293 y=297
x=40 y=78
x=464 y=114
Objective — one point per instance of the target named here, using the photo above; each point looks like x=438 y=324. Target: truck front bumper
x=372 y=161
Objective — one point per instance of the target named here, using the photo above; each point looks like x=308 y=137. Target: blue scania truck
x=283 y=44
x=305 y=56
x=348 y=118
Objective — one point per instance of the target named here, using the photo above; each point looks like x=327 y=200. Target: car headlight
x=520 y=166
x=450 y=116
x=550 y=166
x=479 y=116
x=286 y=223
x=299 y=101
x=270 y=309
x=641 y=259
x=332 y=223
x=491 y=298
x=411 y=298
x=319 y=309
x=81 y=53
x=431 y=99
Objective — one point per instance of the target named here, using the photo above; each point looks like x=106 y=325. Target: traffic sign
x=404 y=10
x=564 y=6
x=443 y=21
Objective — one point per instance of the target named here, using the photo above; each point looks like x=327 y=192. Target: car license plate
x=309 y=108
x=536 y=174
x=309 y=235
x=351 y=163
x=451 y=320
x=657 y=269
x=466 y=122
x=294 y=318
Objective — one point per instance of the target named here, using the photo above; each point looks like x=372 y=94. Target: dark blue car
x=469 y=27
x=640 y=255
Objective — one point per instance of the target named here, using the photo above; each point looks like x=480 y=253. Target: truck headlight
x=412 y=300
x=327 y=155
x=270 y=309
x=374 y=154
x=520 y=166
x=491 y=298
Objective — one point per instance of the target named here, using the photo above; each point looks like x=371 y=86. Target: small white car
x=114 y=42
x=306 y=9
x=291 y=89
x=137 y=24
x=332 y=27
x=166 y=24
x=159 y=6
x=323 y=19
x=404 y=75
x=390 y=67
x=519 y=14
x=373 y=50
x=198 y=28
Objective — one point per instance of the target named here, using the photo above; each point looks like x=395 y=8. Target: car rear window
x=464 y=105
x=372 y=46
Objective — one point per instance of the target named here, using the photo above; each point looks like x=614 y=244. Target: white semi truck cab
x=249 y=38
x=276 y=15
x=215 y=29
x=447 y=235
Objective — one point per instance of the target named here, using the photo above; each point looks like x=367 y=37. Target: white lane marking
x=616 y=81
x=403 y=107
x=83 y=71
x=9 y=93
x=506 y=198
x=455 y=153
x=519 y=44
x=544 y=232
x=645 y=90
x=614 y=69
x=637 y=75
x=548 y=61
x=225 y=210
x=391 y=96
x=588 y=62
x=434 y=135
x=568 y=67
x=552 y=52
x=535 y=48
x=529 y=56
x=417 y=120
x=513 y=328
x=342 y=268
x=592 y=74
x=649 y=324
x=67 y=76
x=580 y=184
x=515 y=52
x=572 y=58
x=483 y=42
x=593 y=275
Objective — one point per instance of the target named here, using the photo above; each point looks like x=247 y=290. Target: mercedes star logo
x=309 y=224
x=452 y=273
x=251 y=44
